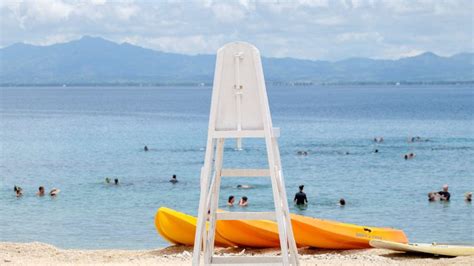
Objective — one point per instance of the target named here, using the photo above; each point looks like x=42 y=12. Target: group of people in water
x=243 y=202
x=301 y=200
x=406 y=156
x=444 y=195
x=41 y=191
x=108 y=180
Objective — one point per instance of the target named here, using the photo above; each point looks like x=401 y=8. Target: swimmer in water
x=433 y=196
x=244 y=186
x=378 y=139
x=54 y=192
x=342 y=202
x=18 y=191
x=174 y=180
x=230 y=201
x=468 y=197
x=40 y=191
x=116 y=181
x=243 y=201
x=107 y=180
x=145 y=148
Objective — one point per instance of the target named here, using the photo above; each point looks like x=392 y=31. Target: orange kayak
x=308 y=231
x=327 y=234
x=249 y=233
x=179 y=228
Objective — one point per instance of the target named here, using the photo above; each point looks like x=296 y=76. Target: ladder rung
x=244 y=133
x=238 y=134
x=245 y=172
x=246 y=216
x=241 y=259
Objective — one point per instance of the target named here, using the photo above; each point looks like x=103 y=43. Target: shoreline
x=36 y=253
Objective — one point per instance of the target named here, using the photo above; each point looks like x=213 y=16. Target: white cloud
x=400 y=52
x=359 y=37
x=186 y=44
x=126 y=12
x=227 y=13
x=330 y=21
x=45 y=11
x=53 y=39
x=98 y=2
x=315 y=29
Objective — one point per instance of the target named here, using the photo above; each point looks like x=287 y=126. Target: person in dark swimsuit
x=174 y=180
x=444 y=195
x=300 y=197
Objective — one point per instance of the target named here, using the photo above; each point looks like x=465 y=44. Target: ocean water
x=72 y=138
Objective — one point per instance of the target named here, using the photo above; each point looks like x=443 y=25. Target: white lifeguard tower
x=239 y=109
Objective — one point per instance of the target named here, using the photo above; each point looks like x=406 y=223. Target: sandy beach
x=36 y=253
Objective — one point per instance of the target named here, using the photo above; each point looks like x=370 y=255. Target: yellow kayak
x=328 y=234
x=249 y=233
x=179 y=228
x=307 y=231
x=435 y=249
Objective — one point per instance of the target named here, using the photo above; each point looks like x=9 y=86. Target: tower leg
x=277 y=200
x=200 y=235
x=214 y=201
x=286 y=209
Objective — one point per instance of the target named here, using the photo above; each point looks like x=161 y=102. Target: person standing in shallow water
x=300 y=197
x=444 y=195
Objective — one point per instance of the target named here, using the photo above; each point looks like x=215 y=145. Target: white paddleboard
x=435 y=249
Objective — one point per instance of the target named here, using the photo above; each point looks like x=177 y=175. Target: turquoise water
x=72 y=138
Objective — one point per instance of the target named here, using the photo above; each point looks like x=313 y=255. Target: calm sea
x=72 y=138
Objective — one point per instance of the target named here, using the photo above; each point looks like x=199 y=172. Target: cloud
x=227 y=13
x=313 y=29
x=359 y=37
x=126 y=12
x=43 y=11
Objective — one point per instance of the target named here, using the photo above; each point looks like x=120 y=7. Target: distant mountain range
x=92 y=60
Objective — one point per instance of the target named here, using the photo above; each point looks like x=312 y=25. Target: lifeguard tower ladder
x=239 y=109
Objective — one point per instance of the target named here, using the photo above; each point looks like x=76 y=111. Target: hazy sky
x=313 y=29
